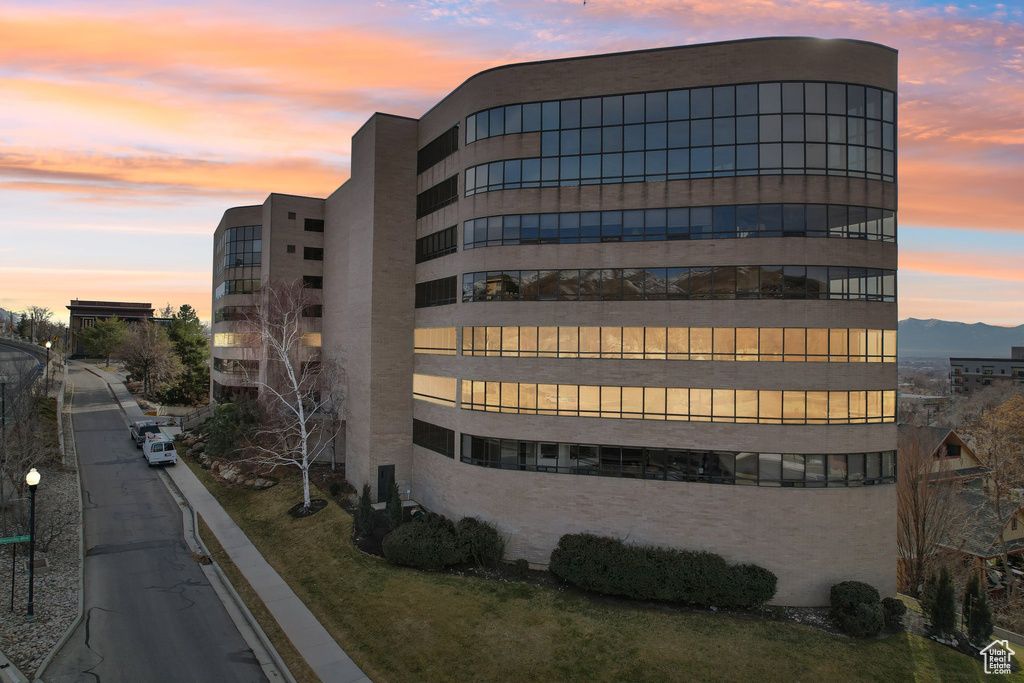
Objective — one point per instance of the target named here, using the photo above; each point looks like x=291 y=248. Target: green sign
x=15 y=539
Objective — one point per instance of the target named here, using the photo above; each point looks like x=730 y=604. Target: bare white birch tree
x=296 y=391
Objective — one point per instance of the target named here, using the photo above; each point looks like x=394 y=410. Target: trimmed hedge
x=427 y=542
x=856 y=607
x=609 y=566
x=893 y=610
x=433 y=541
x=480 y=542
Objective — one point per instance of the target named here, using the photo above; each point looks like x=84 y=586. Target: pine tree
x=394 y=506
x=364 y=515
x=944 y=610
x=190 y=345
x=978 y=615
x=971 y=597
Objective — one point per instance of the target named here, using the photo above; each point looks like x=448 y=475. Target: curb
x=81 y=554
x=239 y=604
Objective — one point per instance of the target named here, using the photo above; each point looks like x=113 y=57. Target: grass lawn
x=405 y=625
x=292 y=659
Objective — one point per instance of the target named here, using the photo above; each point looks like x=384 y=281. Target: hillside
x=944 y=338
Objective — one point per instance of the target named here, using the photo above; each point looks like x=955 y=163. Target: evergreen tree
x=364 y=515
x=394 y=506
x=943 y=612
x=977 y=613
x=103 y=338
x=192 y=349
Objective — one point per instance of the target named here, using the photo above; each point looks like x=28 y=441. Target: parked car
x=138 y=430
x=159 y=450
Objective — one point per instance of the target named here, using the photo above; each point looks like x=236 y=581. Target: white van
x=159 y=450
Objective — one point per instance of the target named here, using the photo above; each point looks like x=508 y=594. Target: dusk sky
x=127 y=128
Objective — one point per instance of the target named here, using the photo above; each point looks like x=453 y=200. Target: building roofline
x=996 y=360
x=647 y=50
x=288 y=194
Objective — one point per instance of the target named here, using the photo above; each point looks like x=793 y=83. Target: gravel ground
x=56 y=588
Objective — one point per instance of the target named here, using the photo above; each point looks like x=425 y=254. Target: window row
x=671 y=464
x=744 y=130
x=313 y=253
x=677 y=105
x=444 y=193
x=699 y=282
x=790 y=344
x=439 y=292
x=752 y=406
x=436 y=438
x=235 y=339
x=313 y=225
x=241 y=247
x=244 y=286
x=703 y=222
x=434 y=389
x=234 y=366
x=720 y=161
x=314 y=339
x=435 y=340
x=444 y=145
x=233 y=313
x=437 y=244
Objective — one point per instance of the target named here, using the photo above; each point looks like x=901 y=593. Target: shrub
x=427 y=542
x=364 y=514
x=893 y=610
x=927 y=598
x=856 y=608
x=521 y=568
x=394 y=506
x=480 y=542
x=334 y=488
x=232 y=423
x=848 y=594
x=607 y=565
x=943 y=612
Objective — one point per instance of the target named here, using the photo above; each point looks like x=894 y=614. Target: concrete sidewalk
x=306 y=633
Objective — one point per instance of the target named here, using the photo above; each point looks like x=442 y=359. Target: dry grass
x=292 y=659
x=404 y=625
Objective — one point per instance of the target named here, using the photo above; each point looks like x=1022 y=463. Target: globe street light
x=48 y=345
x=32 y=479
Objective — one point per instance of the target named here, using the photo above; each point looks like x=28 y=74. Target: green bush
x=480 y=542
x=427 y=542
x=848 y=594
x=232 y=423
x=864 y=621
x=522 y=567
x=856 y=608
x=893 y=610
x=607 y=565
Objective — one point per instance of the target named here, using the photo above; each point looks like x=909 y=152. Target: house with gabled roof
x=951 y=456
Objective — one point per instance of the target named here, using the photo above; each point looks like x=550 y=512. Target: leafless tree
x=999 y=444
x=928 y=511
x=27 y=439
x=295 y=384
x=148 y=355
x=38 y=316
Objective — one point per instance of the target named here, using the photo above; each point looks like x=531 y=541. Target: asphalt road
x=150 y=614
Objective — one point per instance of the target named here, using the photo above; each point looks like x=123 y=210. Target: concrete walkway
x=306 y=633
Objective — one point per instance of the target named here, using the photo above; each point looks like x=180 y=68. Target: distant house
x=87 y=313
x=950 y=455
x=979 y=536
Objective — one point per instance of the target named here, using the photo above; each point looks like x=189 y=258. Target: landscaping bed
x=403 y=624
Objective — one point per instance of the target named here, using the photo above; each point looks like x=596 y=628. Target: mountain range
x=945 y=338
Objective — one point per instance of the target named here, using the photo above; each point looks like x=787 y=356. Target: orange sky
x=128 y=129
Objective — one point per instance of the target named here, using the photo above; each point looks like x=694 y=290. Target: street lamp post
x=48 y=345
x=32 y=479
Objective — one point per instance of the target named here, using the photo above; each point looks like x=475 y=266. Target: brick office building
x=647 y=294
